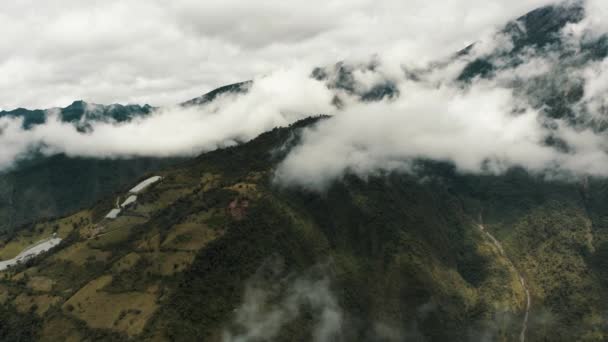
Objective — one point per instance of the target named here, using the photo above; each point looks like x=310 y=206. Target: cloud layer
x=162 y=53
x=480 y=129
x=278 y=100
x=486 y=125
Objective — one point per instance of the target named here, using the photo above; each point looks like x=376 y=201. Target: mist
x=273 y=300
x=276 y=100
x=162 y=53
x=484 y=125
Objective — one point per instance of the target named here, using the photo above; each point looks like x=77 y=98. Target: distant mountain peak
x=235 y=88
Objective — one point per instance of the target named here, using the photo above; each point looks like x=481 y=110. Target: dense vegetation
x=217 y=250
x=45 y=187
x=40 y=186
x=401 y=257
x=79 y=113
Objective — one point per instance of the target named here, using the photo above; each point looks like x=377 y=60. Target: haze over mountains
x=546 y=67
x=372 y=200
x=38 y=183
x=110 y=51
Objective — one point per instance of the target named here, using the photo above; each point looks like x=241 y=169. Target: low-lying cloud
x=473 y=128
x=485 y=125
x=592 y=26
x=271 y=304
x=163 y=52
x=483 y=128
x=277 y=100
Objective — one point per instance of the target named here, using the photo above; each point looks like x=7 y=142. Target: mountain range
x=215 y=249
x=41 y=185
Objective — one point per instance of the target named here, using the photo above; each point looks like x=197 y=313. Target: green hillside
x=392 y=257
x=46 y=187
x=218 y=250
x=40 y=186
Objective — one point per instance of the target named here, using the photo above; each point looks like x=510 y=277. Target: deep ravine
x=498 y=245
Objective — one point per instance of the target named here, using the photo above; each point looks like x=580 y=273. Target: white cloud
x=162 y=53
x=595 y=78
x=260 y=319
x=13 y=142
x=271 y=302
x=471 y=128
x=482 y=127
x=277 y=100
x=593 y=24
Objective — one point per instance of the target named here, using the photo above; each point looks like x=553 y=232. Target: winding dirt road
x=498 y=245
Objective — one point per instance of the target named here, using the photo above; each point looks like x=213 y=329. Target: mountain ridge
x=220 y=250
x=372 y=231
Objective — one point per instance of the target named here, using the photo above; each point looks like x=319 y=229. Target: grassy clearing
x=79 y=253
x=190 y=236
x=28 y=272
x=148 y=203
x=60 y=329
x=210 y=181
x=248 y=189
x=64 y=226
x=116 y=232
x=13 y=248
x=126 y=263
x=69 y=276
x=41 y=284
x=3 y=294
x=168 y=263
x=36 y=303
x=150 y=243
x=110 y=238
x=40 y=231
x=124 y=221
x=125 y=312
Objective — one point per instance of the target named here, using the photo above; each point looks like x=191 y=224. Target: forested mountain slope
x=42 y=185
x=389 y=258
x=220 y=249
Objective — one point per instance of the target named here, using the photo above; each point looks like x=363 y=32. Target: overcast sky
x=163 y=52
x=147 y=52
